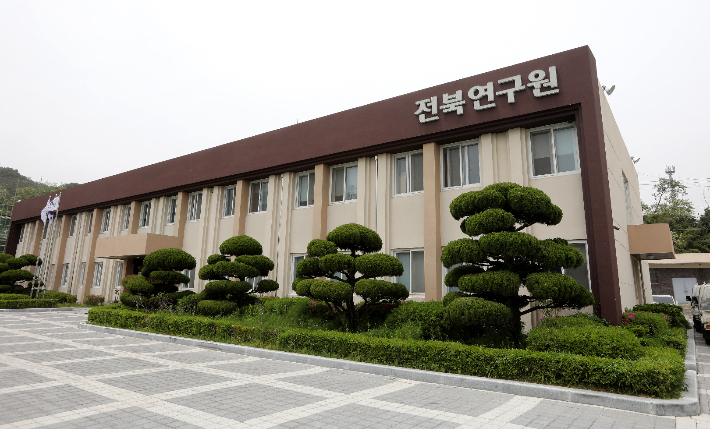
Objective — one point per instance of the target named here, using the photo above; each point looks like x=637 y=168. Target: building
x=677 y=276
x=393 y=166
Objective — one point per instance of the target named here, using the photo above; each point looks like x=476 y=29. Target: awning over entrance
x=651 y=241
x=134 y=245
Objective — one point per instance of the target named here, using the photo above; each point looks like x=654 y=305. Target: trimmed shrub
x=427 y=315
x=94 y=300
x=578 y=319
x=13 y=296
x=61 y=297
x=216 y=308
x=188 y=304
x=450 y=297
x=601 y=341
x=28 y=303
x=675 y=312
x=644 y=324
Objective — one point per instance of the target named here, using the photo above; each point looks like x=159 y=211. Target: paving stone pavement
x=54 y=375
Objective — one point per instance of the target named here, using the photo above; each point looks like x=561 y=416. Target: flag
x=50 y=210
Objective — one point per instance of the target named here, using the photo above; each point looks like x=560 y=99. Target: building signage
x=483 y=97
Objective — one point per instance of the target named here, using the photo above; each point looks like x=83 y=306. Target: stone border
x=690 y=362
x=688 y=405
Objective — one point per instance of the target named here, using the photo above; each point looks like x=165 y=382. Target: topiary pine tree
x=229 y=276
x=340 y=272
x=161 y=273
x=11 y=272
x=495 y=265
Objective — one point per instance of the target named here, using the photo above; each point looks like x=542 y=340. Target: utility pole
x=670 y=170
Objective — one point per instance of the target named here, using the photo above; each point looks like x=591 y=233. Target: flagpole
x=40 y=252
x=53 y=223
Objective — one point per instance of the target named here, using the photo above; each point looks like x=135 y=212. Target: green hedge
x=29 y=303
x=601 y=341
x=61 y=297
x=659 y=373
x=13 y=296
x=675 y=312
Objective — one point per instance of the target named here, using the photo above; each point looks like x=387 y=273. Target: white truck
x=700 y=303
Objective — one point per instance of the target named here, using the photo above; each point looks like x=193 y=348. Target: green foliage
x=504 y=283
x=93 y=300
x=28 y=303
x=61 y=297
x=381 y=291
x=132 y=301
x=658 y=373
x=318 y=248
x=139 y=285
x=474 y=315
x=12 y=276
x=378 y=265
x=13 y=296
x=160 y=275
x=215 y=308
x=602 y=341
x=188 y=304
x=559 y=288
x=453 y=276
x=355 y=238
x=213 y=259
x=463 y=250
x=676 y=319
x=427 y=317
x=240 y=245
x=451 y=296
x=226 y=290
x=575 y=320
x=491 y=220
x=645 y=324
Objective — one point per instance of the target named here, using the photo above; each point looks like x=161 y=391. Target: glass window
x=343 y=183
x=72 y=226
x=581 y=273
x=446 y=271
x=409 y=173
x=45 y=227
x=88 y=228
x=654 y=275
x=194 y=209
x=83 y=273
x=22 y=232
x=126 y=217
x=296 y=260
x=554 y=150
x=191 y=275
x=119 y=275
x=460 y=165
x=628 y=199
x=228 y=205
x=305 y=186
x=258 y=196
x=106 y=220
x=172 y=208
x=144 y=220
x=413 y=276
x=98 y=272
x=65 y=274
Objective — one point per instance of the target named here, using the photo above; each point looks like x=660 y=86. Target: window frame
x=553 y=147
x=171 y=209
x=227 y=189
x=72 y=225
x=461 y=144
x=22 y=232
x=627 y=197
x=83 y=273
x=98 y=274
x=261 y=183
x=65 y=274
x=586 y=260
x=191 y=284
x=297 y=194
x=194 y=207
x=293 y=270
x=144 y=217
x=105 y=221
x=331 y=186
x=408 y=155
x=126 y=217
x=120 y=265
x=395 y=279
x=88 y=228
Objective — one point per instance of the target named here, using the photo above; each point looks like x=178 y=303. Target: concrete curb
x=688 y=405
x=33 y=310
x=690 y=359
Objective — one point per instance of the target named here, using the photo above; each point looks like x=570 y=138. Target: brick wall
x=666 y=275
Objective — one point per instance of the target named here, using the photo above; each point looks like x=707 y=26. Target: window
x=50 y=276
x=228 y=205
x=98 y=271
x=581 y=273
x=296 y=259
x=126 y=217
x=194 y=208
x=413 y=276
x=305 y=184
x=258 y=194
x=91 y=222
x=72 y=226
x=628 y=200
x=22 y=232
x=45 y=227
x=409 y=173
x=446 y=271
x=106 y=220
x=653 y=272
x=144 y=220
x=460 y=165
x=554 y=150
x=253 y=281
x=172 y=207
x=343 y=183
x=65 y=274
x=83 y=273
x=191 y=275
x=119 y=275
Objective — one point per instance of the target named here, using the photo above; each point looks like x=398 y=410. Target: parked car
x=700 y=303
x=664 y=299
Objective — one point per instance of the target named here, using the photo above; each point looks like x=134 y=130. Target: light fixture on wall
x=610 y=90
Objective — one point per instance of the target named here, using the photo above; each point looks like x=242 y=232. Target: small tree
x=12 y=272
x=161 y=273
x=494 y=266
x=332 y=277
x=240 y=259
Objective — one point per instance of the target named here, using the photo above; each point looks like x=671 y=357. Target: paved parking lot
x=54 y=375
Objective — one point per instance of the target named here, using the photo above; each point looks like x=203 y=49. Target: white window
x=83 y=273
x=50 y=277
x=554 y=150
x=253 y=281
x=191 y=275
x=22 y=232
x=45 y=227
x=91 y=222
x=106 y=220
x=628 y=199
x=65 y=274
x=228 y=204
x=144 y=220
x=126 y=217
x=409 y=173
x=295 y=258
x=72 y=226
x=581 y=273
x=258 y=195
x=119 y=275
x=98 y=271
x=194 y=209
x=343 y=183
x=460 y=164
x=172 y=207
x=413 y=276
x=305 y=185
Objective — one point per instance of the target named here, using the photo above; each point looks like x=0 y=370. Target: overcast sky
x=89 y=89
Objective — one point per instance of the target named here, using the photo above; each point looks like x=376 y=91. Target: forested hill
x=15 y=186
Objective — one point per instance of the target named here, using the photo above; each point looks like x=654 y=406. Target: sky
x=90 y=89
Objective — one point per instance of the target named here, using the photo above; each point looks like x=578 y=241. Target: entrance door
x=683 y=287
